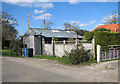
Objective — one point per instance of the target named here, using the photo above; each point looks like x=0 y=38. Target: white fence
x=110 y=53
x=60 y=48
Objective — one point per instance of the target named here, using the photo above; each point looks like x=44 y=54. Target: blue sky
x=85 y=14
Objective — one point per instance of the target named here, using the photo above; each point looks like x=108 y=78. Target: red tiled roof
x=110 y=26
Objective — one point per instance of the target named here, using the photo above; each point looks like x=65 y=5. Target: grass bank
x=9 y=53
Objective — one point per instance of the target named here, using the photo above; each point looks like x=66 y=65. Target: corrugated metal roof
x=54 y=33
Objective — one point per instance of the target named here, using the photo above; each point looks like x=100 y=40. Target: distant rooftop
x=52 y=33
x=110 y=26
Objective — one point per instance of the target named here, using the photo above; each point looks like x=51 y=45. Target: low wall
x=62 y=49
x=48 y=49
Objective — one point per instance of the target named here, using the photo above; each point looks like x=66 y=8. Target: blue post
x=25 y=52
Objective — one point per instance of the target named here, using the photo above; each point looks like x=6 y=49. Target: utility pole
x=28 y=21
x=44 y=24
x=115 y=24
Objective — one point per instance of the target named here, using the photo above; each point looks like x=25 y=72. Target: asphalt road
x=37 y=70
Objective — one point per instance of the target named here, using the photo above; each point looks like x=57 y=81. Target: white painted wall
x=61 y=49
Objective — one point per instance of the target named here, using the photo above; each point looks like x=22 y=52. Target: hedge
x=106 y=38
x=88 y=36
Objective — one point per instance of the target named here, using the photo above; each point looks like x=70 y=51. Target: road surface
x=38 y=70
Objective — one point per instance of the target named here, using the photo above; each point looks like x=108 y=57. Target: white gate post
x=98 y=53
x=93 y=46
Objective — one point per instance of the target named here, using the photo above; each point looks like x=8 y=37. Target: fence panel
x=61 y=48
x=110 y=54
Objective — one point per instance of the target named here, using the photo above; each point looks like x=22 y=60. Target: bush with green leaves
x=88 y=36
x=79 y=56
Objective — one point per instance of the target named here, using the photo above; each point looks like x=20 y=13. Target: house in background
x=111 y=27
x=34 y=36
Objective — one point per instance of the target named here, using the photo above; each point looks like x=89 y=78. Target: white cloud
x=44 y=5
x=74 y=22
x=101 y=0
x=43 y=16
x=31 y=3
x=25 y=0
x=78 y=23
x=99 y=25
x=70 y=1
x=109 y=18
x=60 y=27
x=84 y=25
x=24 y=4
x=74 y=2
x=88 y=24
x=39 y=11
x=92 y=22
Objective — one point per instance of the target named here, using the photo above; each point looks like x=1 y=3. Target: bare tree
x=49 y=25
x=71 y=27
x=111 y=19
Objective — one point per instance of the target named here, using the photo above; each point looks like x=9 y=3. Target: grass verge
x=9 y=53
x=62 y=60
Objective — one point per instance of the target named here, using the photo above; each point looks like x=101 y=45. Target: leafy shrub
x=88 y=36
x=92 y=60
x=79 y=56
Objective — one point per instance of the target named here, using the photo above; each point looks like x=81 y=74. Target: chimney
x=44 y=24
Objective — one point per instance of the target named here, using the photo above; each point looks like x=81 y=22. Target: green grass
x=9 y=53
x=111 y=60
x=62 y=60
